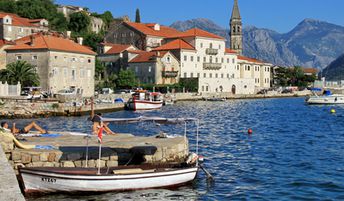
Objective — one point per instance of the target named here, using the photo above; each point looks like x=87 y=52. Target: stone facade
x=13 y=27
x=60 y=70
x=164 y=68
x=236 y=38
x=97 y=24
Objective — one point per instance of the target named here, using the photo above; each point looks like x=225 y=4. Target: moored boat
x=121 y=178
x=144 y=100
x=326 y=98
x=49 y=180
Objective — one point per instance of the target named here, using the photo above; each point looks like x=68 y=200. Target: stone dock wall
x=14 y=108
x=9 y=187
x=128 y=150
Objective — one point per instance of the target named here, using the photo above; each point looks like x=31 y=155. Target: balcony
x=168 y=74
x=211 y=51
x=212 y=66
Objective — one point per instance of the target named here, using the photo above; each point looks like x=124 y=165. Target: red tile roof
x=148 y=29
x=230 y=51
x=175 y=45
x=5 y=42
x=144 y=57
x=50 y=42
x=197 y=33
x=20 y=21
x=117 y=48
x=310 y=70
x=249 y=59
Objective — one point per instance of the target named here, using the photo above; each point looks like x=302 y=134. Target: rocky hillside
x=335 y=71
x=311 y=43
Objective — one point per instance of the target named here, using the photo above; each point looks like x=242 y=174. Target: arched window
x=234 y=29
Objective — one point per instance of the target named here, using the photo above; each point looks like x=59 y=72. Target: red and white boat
x=144 y=100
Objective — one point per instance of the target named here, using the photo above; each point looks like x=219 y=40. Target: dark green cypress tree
x=138 y=17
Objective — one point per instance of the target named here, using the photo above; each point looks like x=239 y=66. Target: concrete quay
x=9 y=187
x=121 y=149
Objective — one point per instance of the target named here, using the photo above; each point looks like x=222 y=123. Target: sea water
x=296 y=151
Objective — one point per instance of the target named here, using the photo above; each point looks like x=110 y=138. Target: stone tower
x=236 y=29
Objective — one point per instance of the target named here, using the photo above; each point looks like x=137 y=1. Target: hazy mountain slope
x=312 y=43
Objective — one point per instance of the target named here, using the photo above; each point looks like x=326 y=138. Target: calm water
x=296 y=151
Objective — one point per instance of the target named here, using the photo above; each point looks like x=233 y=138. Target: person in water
x=97 y=123
x=26 y=129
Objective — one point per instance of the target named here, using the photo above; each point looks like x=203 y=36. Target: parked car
x=31 y=92
x=65 y=92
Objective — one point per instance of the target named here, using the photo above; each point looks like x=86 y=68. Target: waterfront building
x=156 y=67
x=60 y=62
x=114 y=56
x=13 y=27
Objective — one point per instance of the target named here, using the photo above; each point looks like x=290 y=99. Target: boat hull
x=144 y=105
x=333 y=99
x=37 y=181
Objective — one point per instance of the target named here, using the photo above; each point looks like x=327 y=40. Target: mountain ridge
x=311 y=43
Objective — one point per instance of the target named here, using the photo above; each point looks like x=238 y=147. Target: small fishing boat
x=326 y=98
x=144 y=100
x=214 y=99
x=121 y=178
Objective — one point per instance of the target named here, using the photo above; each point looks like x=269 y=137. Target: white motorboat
x=326 y=98
x=121 y=178
x=143 y=100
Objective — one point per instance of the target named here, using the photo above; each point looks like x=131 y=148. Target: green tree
x=126 y=79
x=100 y=69
x=107 y=17
x=79 y=22
x=58 y=22
x=138 y=16
x=20 y=71
x=91 y=39
x=9 y=6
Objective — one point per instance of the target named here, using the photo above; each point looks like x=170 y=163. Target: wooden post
x=92 y=107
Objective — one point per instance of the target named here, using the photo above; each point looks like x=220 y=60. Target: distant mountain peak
x=312 y=42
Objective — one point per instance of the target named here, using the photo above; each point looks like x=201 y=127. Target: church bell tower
x=236 y=30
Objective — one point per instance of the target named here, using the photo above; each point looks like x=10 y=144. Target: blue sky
x=278 y=15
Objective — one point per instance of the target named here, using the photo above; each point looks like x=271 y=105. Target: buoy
x=249 y=131
x=333 y=111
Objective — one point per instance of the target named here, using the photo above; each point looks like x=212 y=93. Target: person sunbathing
x=26 y=129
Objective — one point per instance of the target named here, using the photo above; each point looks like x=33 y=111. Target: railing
x=169 y=73
x=211 y=51
x=212 y=66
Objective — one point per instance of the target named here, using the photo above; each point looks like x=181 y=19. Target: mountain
x=312 y=43
x=335 y=71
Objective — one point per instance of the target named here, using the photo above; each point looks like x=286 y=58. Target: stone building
x=96 y=24
x=157 y=67
x=114 y=56
x=3 y=45
x=236 y=39
x=60 y=62
x=143 y=36
x=13 y=27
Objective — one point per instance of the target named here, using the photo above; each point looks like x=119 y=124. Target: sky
x=279 y=15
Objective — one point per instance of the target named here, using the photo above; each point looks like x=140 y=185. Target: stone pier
x=9 y=188
x=121 y=149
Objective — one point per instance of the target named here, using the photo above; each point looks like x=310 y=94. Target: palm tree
x=20 y=71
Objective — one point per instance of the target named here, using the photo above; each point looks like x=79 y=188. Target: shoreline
x=43 y=109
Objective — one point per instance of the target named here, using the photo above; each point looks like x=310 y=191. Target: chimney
x=32 y=40
x=158 y=54
x=69 y=33
x=80 y=39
